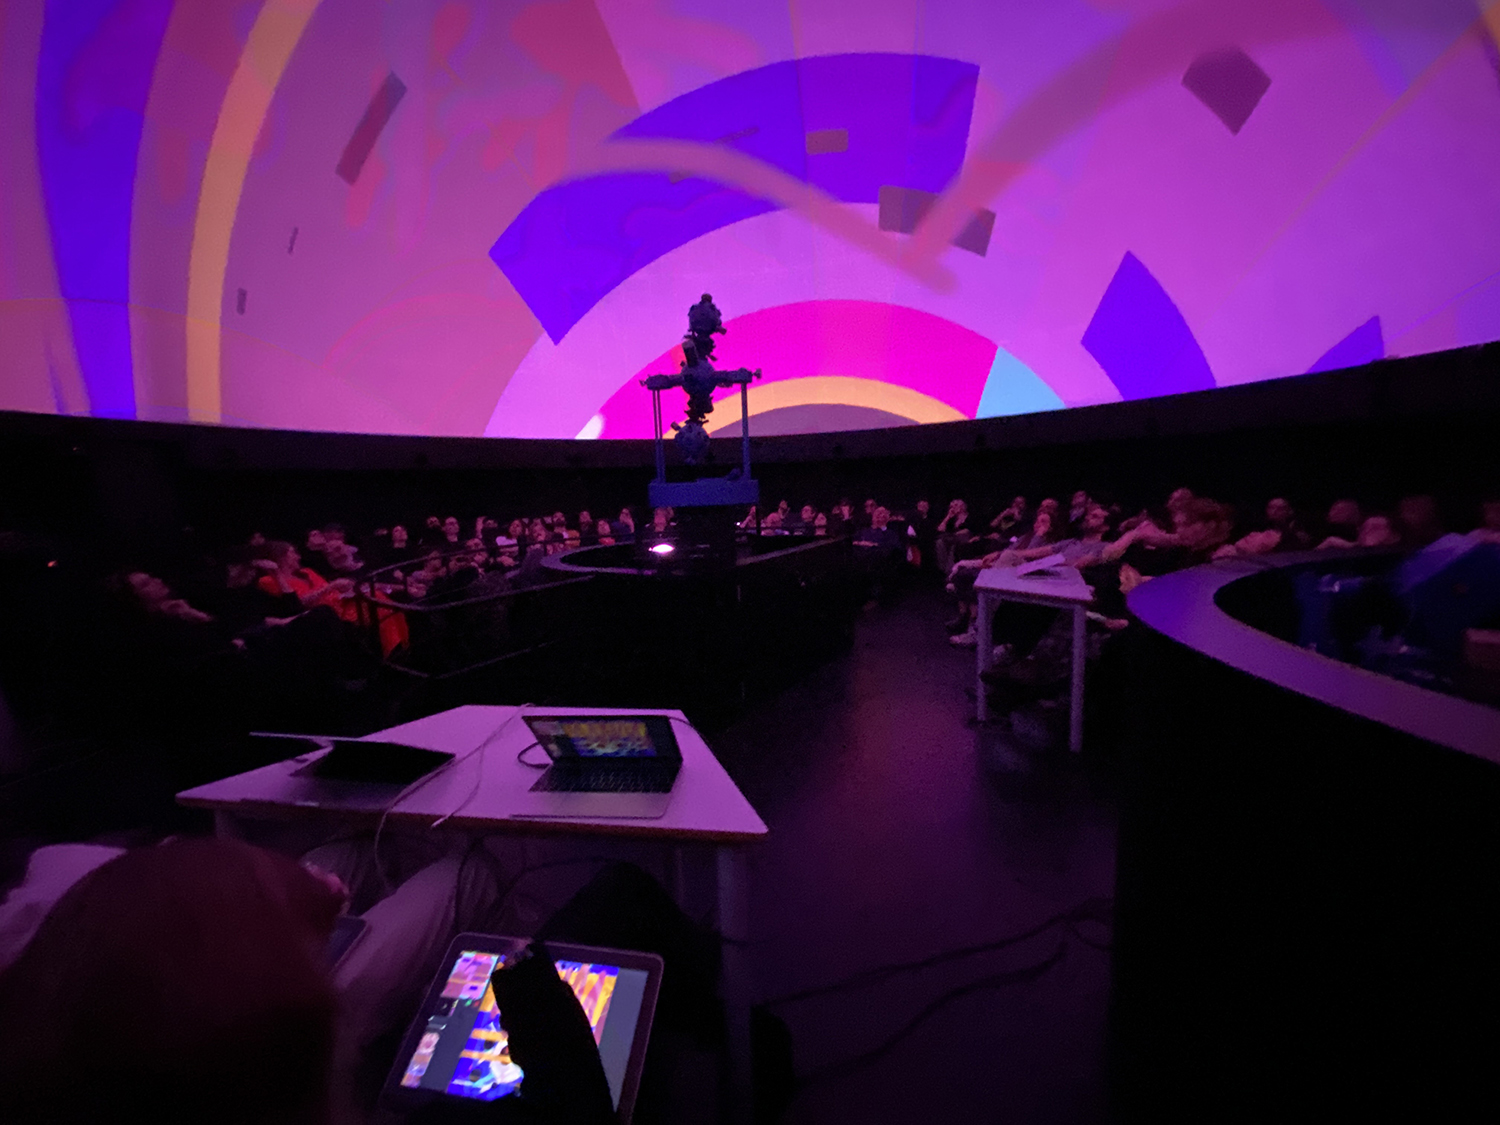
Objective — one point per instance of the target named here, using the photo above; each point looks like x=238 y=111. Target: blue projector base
x=711 y=492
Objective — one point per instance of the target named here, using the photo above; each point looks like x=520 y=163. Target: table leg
x=733 y=916
x=984 y=630
x=677 y=877
x=1080 y=650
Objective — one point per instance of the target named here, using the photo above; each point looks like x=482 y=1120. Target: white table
x=479 y=792
x=1064 y=589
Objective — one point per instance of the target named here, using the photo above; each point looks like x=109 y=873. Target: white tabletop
x=706 y=803
x=1062 y=583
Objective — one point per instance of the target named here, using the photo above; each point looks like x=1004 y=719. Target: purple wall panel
x=1141 y=339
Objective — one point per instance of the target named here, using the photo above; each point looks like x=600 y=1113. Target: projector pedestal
x=707 y=512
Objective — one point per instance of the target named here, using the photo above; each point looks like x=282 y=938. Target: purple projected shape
x=905 y=117
x=1230 y=83
x=901 y=209
x=1364 y=345
x=94 y=68
x=1141 y=339
x=575 y=242
x=378 y=113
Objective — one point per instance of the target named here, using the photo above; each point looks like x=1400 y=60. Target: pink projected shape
x=859 y=339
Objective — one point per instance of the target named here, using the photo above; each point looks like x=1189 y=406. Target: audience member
x=1376 y=531
x=1418 y=521
x=841 y=518
x=1488 y=530
x=952 y=530
x=1344 y=518
x=1005 y=526
x=878 y=551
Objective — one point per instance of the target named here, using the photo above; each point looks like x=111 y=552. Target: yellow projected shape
x=277 y=30
x=833 y=390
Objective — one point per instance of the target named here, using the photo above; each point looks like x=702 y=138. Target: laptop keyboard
x=597 y=780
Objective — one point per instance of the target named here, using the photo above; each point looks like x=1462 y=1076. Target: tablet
x=457 y=1047
x=383 y=763
x=346 y=934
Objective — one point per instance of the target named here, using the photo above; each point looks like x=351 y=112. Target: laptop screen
x=604 y=738
x=464 y=1050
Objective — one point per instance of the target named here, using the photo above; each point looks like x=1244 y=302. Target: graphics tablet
x=457 y=1047
x=379 y=763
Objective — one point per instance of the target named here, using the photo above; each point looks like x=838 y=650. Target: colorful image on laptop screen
x=594 y=738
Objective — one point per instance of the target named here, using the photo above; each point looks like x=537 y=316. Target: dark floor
x=889 y=843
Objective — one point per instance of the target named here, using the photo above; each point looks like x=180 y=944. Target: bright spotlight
x=662 y=549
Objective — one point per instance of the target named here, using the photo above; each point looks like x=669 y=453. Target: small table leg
x=1075 y=715
x=984 y=630
x=733 y=916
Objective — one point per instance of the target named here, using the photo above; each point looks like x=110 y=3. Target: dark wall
x=1307 y=908
x=1427 y=423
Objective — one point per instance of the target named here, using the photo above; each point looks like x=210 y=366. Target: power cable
x=995 y=980
x=1091 y=910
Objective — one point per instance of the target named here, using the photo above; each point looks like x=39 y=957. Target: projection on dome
x=489 y=218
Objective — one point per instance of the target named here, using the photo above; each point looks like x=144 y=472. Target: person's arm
x=1026 y=554
x=1141 y=533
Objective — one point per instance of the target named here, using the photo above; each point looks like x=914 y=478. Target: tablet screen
x=464 y=1050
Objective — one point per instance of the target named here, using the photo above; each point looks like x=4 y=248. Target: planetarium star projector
x=699 y=379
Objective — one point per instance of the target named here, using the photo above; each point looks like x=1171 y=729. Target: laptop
x=351 y=774
x=458 y=1047
x=603 y=766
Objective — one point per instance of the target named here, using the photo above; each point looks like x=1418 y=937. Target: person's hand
x=1130 y=578
x=990 y=559
x=332 y=882
x=550 y=1039
x=176 y=607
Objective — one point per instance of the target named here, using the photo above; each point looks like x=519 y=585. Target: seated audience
x=308 y=586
